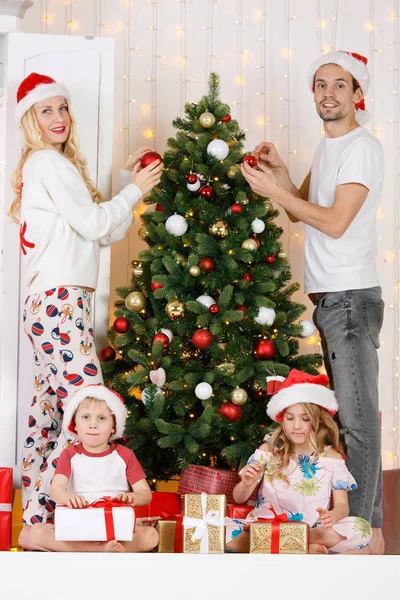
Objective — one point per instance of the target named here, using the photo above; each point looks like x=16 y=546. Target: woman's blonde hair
x=34 y=141
x=324 y=432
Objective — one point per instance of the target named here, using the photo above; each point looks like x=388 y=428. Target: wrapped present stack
x=164 y=512
x=5 y=507
x=204 y=524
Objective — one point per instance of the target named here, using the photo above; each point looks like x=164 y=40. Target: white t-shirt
x=346 y=263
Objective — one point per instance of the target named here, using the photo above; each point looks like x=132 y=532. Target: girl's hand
x=251 y=473
x=76 y=502
x=136 y=157
x=147 y=178
x=326 y=518
x=127 y=497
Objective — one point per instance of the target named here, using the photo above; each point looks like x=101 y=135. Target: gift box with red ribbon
x=197 y=479
x=279 y=536
x=100 y=521
x=5 y=507
x=164 y=512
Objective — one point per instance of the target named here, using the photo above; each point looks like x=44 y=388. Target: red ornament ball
x=250 y=160
x=107 y=353
x=207 y=264
x=156 y=286
x=230 y=411
x=148 y=158
x=206 y=191
x=260 y=395
x=265 y=350
x=192 y=178
x=247 y=277
x=161 y=337
x=226 y=118
x=241 y=307
x=270 y=259
x=236 y=208
x=159 y=208
x=121 y=325
x=214 y=309
x=202 y=339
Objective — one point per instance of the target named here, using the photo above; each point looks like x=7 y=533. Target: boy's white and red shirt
x=61 y=228
x=96 y=475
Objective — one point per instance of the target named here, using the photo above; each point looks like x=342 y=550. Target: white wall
x=262 y=50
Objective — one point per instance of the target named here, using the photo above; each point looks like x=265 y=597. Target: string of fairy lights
x=326 y=41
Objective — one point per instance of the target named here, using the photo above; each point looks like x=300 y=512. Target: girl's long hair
x=324 y=432
x=34 y=141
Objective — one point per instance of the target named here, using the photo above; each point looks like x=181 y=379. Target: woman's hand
x=76 y=502
x=147 y=178
x=326 y=518
x=251 y=473
x=127 y=497
x=136 y=157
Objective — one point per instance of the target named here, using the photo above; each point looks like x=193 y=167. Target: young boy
x=94 y=468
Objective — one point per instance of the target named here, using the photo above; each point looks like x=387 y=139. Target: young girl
x=94 y=468
x=63 y=223
x=302 y=471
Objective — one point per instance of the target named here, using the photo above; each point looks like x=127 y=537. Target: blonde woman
x=301 y=472
x=63 y=222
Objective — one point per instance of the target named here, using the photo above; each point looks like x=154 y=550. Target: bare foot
x=317 y=549
x=377 y=543
x=113 y=546
x=25 y=542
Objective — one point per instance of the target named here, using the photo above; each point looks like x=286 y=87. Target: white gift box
x=89 y=524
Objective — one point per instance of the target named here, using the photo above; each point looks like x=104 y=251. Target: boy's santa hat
x=113 y=400
x=356 y=65
x=302 y=388
x=35 y=88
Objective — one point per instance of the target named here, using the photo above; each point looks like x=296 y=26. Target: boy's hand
x=251 y=473
x=76 y=502
x=326 y=518
x=127 y=497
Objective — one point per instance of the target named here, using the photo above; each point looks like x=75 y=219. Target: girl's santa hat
x=356 y=65
x=113 y=400
x=35 y=88
x=302 y=388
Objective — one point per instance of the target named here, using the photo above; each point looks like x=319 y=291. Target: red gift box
x=197 y=479
x=163 y=505
x=238 y=511
x=5 y=507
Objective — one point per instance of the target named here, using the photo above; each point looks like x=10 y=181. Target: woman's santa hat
x=35 y=88
x=356 y=65
x=100 y=392
x=302 y=388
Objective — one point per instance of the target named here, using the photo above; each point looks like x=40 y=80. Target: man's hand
x=267 y=155
x=251 y=473
x=262 y=181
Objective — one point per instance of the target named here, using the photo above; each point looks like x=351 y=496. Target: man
x=338 y=201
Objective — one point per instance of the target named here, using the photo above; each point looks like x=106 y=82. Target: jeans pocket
x=333 y=300
x=372 y=313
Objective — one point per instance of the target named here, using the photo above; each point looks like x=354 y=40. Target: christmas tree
x=208 y=316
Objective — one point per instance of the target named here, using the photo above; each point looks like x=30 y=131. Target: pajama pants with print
x=58 y=323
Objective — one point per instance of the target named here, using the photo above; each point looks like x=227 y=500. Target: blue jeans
x=349 y=323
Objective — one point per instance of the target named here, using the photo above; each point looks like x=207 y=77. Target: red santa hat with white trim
x=100 y=392
x=34 y=88
x=356 y=65
x=302 y=388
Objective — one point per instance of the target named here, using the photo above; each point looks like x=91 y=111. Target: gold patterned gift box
x=204 y=524
x=279 y=538
x=170 y=536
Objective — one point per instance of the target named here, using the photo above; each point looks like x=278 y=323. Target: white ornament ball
x=206 y=300
x=176 y=225
x=168 y=333
x=307 y=328
x=218 y=149
x=266 y=316
x=258 y=226
x=193 y=187
x=203 y=390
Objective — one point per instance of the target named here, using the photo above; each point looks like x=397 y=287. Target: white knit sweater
x=62 y=228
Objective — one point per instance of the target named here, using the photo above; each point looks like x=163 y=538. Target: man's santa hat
x=356 y=65
x=113 y=400
x=302 y=388
x=35 y=88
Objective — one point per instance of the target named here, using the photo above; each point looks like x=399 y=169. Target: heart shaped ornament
x=158 y=377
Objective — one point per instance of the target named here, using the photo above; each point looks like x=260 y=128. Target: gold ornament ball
x=175 y=310
x=135 y=301
x=282 y=255
x=220 y=229
x=249 y=244
x=207 y=120
x=227 y=368
x=268 y=205
x=239 y=396
x=232 y=171
x=180 y=259
x=194 y=271
x=143 y=233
